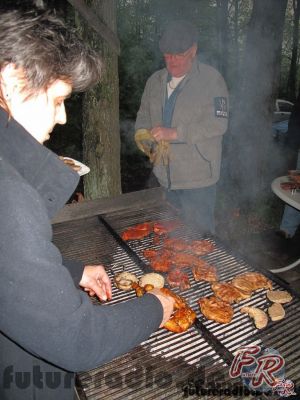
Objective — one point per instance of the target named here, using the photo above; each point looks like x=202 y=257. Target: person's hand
x=161 y=133
x=95 y=281
x=167 y=303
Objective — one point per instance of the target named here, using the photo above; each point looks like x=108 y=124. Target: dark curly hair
x=46 y=49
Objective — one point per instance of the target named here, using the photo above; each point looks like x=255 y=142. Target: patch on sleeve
x=221 y=108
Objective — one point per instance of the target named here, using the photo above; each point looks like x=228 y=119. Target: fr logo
x=261 y=369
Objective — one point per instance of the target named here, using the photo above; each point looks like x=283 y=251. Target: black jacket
x=44 y=316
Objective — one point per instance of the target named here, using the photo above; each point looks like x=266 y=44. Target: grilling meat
x=183 y=317
x=279 y=296
x=177 y=278
x=138 y=231
x=163 y=227
x=204 y=272
x=176 y=244
x=183 y=260
x=179 y=301
x=216 y=309
x=160 y=264
x=251 y=281
x=181 y=320
x=228 y=293
x=201 y=247
x=162 y=261
x=259 y=316
x=150 y=253
x=276 y=312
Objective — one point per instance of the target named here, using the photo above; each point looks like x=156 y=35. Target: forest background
x=253 y=43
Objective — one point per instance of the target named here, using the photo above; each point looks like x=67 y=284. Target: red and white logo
x=261 y=369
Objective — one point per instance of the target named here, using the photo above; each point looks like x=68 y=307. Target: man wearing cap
x=186 y=105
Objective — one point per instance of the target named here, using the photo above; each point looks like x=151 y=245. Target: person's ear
x=10 y=80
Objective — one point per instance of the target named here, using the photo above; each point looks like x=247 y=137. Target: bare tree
x=101 y=137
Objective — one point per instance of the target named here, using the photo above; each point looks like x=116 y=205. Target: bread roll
x=153 y=279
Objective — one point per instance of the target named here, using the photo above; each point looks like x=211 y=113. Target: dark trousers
x=196 y=207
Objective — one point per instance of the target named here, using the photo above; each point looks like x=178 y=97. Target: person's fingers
x=104 y=281
x=91 y=292
x=97 y=289
x=106 y=287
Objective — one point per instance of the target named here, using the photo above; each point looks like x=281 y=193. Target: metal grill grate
x=162 y=366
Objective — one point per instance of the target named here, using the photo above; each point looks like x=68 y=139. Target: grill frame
x=93 y=253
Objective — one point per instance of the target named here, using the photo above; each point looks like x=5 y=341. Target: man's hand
x=161 y=133
x=96 y=281
x=167 y=303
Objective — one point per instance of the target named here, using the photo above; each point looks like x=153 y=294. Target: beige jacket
x=200 y=117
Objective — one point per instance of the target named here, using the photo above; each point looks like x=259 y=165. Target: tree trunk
x=252 y=117
x=236 y=47
x=223 y=28
x=101 y=137
x=292 y=80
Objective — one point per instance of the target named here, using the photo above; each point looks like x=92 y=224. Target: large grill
x=168 y=365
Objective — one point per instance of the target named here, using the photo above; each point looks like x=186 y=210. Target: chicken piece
x=251 y=281
x=183 y=260
x=259 y=316
x=178 y=278
x=179 y=301
x=176 y=244
x=216 y=309
x=138 y=231
x=201 y=247
x=163 y=227
x=279 y=296
x=181 y=320
x=204 y=271
x=229 y=293
x=276 y=312
x=183 y=317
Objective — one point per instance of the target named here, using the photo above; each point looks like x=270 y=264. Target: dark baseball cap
x=178 y=36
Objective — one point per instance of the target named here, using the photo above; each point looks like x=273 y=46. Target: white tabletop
x=293 y=199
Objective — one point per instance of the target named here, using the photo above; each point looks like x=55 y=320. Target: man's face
x=39 y=113
x=181 y=63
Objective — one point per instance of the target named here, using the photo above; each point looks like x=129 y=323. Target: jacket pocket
x=188 y=164
x=204 y=158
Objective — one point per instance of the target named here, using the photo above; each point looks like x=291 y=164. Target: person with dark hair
x=48 y=324
x=291 y=216
x=184 y=108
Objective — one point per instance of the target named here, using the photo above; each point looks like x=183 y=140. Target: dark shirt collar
x=40 y=167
